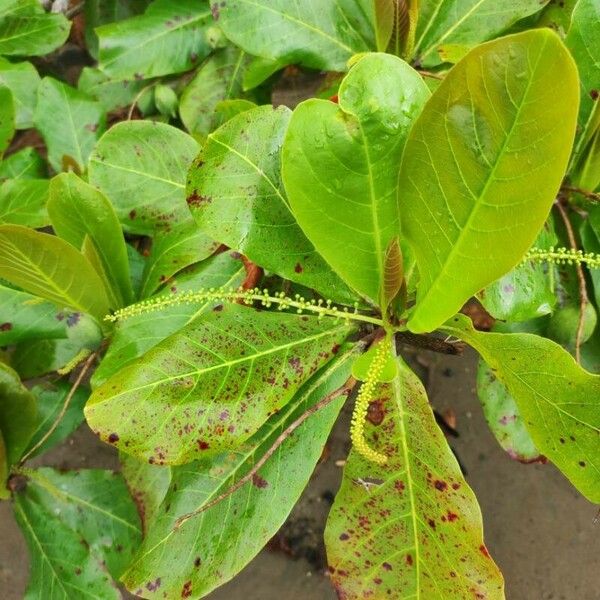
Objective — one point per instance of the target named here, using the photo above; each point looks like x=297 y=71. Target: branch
x=427 y=342
x=583 y=296
x=254 y=274
x=593 y=196
x=63 y=410
x=341 y=391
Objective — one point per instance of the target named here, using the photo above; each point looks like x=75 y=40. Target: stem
x=65 y=406
x=427 y=342
x=593 y=196
x=344 y=390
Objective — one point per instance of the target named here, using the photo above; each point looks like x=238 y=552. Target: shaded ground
x=540 y=531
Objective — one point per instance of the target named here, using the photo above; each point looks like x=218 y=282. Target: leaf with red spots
x=213 y=384
x=410 y=528
x=558 y=400
x=222 y=540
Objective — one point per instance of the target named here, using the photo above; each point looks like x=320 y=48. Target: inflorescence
x=363 y=399
x=564 y=256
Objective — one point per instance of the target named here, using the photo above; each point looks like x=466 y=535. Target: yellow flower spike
x=567 y=256
x=363 y=399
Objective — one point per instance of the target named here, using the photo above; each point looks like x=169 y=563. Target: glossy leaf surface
x=224 y=538
x=559 y=401
x=211 y=385
x=410 y=528
x=483 y=165
x=141 y=167
x=340 y=166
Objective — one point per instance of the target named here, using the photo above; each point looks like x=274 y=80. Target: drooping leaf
x=340 y=166
x=50 y=398
x=467 y=22
x=141 y=167
x=7 y=118
x=320 y=34
x=211 y=385
x=219 y=78
x=78 y=210
x=23 y=80
x=81 y=529
x=51 y=268
x=70 y=122
x=557 y=399
x=244 y=522
x=503 y=416
x=136 y=335
x=236 y=196
x=18 y=414
x=27 y=30
x=410 y=528
x=483 y=165
x=172 y=252
x=23 y=202
x=584 y=43
x=170 y=37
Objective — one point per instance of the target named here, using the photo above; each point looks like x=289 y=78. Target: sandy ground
x=540 y=531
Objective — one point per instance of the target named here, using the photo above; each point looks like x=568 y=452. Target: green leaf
x=70 y=122
x=584 y=43
x=587 y=175
x=141 y=167
x=7 y=118
x=503 y=417
x=24 y=164
x=246 y=520
x=78 y=210
x=81 y=528
x=219 y=78
x=23 y=80
x=467 y=22
x=26 y=30
x=211 y=385
x=170 y=37
x=166 y=101
x=340 y=167
x=173 y=252
x=148 y=485
x=29 y=318
x=136 y=335
x=50 y=398
x=23 y=202
x=483 y=164
x=51 y=268
x=556 y=397
x=18 y=414
x=320 y=34
x=410 y=528
x=362 y=366
x=236 y=196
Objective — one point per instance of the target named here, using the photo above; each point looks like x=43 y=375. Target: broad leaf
x=466 y=22
x=24 y=164
x=170 y=37
x=340 y=166
x=78 y=210
x=51 y=268
x=482 y=163
x=22 y=79
x=50 y=399
x=556 y=397
x=236 y=196
x=584 y=43
x=7 y=118
x=321 y=34
x=172 y=252
x=136 y=335
x=23 y=202
x=70 y=122
x=18 y=415
x=81 y=528
x=224 y=538
x=410 y=528
x=141 y=167
x=503 y=417
x=211 y=385
x=219 y=78
x=27 y=30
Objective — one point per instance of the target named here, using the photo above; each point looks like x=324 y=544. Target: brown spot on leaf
x=202 y=445
x=258 y=481
x=375 y=412
x=113 y=438
x=186 y=591
x=484 y=551
x=298 y=268
x=439 y=485
x=594 y=94
x=152 y=586
x=6 y=326
x=344 y=537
